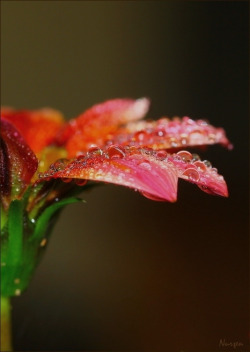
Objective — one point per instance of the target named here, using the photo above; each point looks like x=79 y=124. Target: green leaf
x=48 y=213
x=15 y=226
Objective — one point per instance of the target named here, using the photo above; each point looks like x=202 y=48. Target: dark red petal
x=18 y=163
x=153 y=173
x=169 y=134
x=94 y=126
x=38 y=127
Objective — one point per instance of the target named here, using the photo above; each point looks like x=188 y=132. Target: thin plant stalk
x=6 y=335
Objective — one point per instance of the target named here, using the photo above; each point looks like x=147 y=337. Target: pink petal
x=93 y=126
x=199 y=172
x=116 y=165
x=155 y=174
x=169 y=134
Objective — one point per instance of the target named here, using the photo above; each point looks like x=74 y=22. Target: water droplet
x=195 y=137
x=66 y=180
x=192 y=174
x=17 y=292
x=115 y=152
x=202 y=122
x=214 y=170
x=207 y=163
x=81 y=182
x=200 y=165
x=195 y=157
x=173 y=142
x=43 y=242
x=94 y=151
x=145 y=164
x=185 y=156
x=160 y=133
x=140 y=136
x=188 y=121
x=33 y=221
x=184 y=138
x=212 y=137
x=161 y=154
x=59 y=165
x=17 y=281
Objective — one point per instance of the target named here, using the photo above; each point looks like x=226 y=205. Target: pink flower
x=110 y=143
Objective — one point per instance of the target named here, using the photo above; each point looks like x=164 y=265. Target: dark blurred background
x=123 y=272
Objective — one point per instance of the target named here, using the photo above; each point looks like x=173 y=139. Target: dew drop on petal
x=173 y=142
x=191 y=174
x=195 y=157
x=160 y=133
x=94 y=151
x=81 y=182
x=185 y=156
x=184 y=139
x=212 y=137
x=145 y=164
x=115 y=152
x=200 y=165
x=161 y=154
x=59 y=165
x=140 y=136
x=195 y=137
x=66 y=180
x=207 y=163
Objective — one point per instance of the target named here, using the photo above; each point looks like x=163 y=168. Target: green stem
x=6 y=336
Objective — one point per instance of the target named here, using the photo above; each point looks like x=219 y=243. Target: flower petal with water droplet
x=96 y=124
x=143 y=169
x=200 y=173
x=135 y=169
x=170 y=134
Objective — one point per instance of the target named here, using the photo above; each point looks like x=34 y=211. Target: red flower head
x=110 y=143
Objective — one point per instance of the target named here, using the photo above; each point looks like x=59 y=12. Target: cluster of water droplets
x=187 y=165
x=175 y=133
